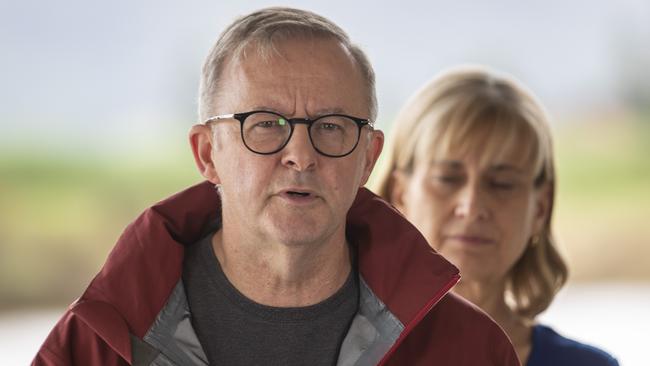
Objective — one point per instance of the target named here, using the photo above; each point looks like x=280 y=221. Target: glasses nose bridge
x=300 y=121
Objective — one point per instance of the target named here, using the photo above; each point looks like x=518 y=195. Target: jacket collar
x=145 y=265
x=395 y=260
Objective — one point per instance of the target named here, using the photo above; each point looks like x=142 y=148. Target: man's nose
x=299 y=153
x=470 y=203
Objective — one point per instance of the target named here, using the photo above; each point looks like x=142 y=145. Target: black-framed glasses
x=264 y=132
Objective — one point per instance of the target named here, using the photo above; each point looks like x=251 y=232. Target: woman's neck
x=489 y=297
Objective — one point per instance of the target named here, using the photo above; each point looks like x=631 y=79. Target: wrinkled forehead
x=316 y=71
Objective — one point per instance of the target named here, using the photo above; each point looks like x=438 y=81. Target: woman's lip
x=471 y=239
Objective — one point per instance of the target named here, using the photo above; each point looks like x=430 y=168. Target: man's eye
x=329 y=126
x=265 y=124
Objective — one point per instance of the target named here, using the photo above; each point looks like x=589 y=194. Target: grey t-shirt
x=235 y=330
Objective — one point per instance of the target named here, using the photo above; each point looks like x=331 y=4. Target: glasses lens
x=334 y=135
x=265 y=132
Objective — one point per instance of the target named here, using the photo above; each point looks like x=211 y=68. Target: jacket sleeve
x=73 y=342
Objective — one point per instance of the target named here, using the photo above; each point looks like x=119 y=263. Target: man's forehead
x=295 y=59
x=317 y=72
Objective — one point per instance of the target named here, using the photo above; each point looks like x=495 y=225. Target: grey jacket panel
x=173 y=335
x=142 y=353
x=372 y=333
x=172 y=340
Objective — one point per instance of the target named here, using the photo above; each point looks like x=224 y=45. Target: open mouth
x=298 y=194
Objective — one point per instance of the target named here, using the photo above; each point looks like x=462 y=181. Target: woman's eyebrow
x=453 y=164
x=506 y=168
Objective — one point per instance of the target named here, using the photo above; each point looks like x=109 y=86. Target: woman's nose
x=470 y=204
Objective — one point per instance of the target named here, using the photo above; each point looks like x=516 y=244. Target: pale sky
x=81 y=72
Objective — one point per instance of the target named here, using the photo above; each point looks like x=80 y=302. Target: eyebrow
x=319 y=112
x=454 y=164
x=265 y=108
x=324 y=111
x=506 y=168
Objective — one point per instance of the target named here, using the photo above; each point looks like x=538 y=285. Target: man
x=290 y=262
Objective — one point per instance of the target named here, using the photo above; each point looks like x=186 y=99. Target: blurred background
x=96 y=99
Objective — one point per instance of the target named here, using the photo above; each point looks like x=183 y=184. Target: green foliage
x=607 y=161
x=61 y=213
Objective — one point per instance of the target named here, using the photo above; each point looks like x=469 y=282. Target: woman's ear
x=201 y=141
x=397 y=189
x=543 y=200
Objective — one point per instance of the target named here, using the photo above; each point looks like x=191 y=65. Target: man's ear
x=375 y=145
x=397 y=188
x=201 y=142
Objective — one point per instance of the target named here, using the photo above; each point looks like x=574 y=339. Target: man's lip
x=307 y=191
x=471 y=239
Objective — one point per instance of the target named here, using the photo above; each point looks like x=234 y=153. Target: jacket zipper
x=419 y=316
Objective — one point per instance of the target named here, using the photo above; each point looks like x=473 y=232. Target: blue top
x=550 y=348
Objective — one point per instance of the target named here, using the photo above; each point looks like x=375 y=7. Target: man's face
x=263 y=196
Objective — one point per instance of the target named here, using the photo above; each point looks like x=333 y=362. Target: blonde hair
x=265 y=28
x=466 y=107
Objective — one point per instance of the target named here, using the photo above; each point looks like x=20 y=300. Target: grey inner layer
x=234 y=330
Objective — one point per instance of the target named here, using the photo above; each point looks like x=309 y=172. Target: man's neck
x=284 y=276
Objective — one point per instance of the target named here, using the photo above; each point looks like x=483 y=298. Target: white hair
x=265 y=28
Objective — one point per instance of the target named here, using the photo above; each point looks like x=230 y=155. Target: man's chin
x=297 y=233
x=299 y=226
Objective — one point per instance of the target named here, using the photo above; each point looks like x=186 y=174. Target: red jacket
x=406 y=280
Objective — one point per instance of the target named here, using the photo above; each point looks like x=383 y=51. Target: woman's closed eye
x=502 y=184
x=449 y=179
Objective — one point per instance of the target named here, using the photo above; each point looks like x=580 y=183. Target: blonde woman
x=471 y=165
